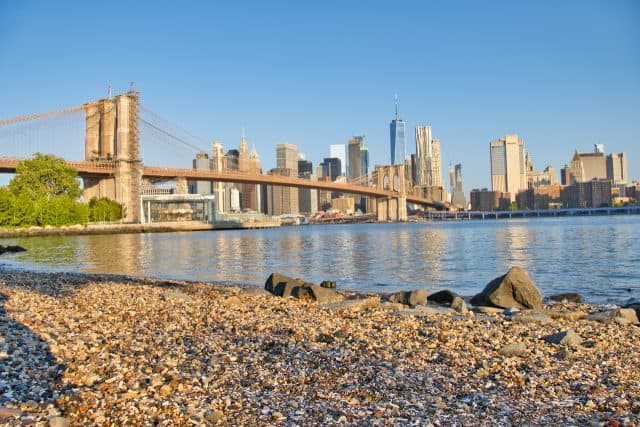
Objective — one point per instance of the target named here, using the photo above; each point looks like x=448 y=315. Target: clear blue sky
x=562 y=75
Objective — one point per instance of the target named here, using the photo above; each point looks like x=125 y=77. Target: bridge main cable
x=39 y=116
x=177 y=138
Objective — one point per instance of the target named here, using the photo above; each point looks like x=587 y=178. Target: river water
x=598 y=257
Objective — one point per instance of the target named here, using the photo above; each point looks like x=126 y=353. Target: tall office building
x=397 y=139
x=201 y=162
x=287 y=157
x=588 y=166
x=331 y=167
x=338 y=151
x=217 y=165
x=307 y=197
x=428 y=162
x=508 y=171
x=617 y=168
x=457 y=193
x=249 y=162
x=364 y=158
x=355 y=157
x=284 y=200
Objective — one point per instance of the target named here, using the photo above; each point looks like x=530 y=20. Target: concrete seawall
x=161 y=227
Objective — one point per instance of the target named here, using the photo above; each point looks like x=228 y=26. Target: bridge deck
x=8 y=165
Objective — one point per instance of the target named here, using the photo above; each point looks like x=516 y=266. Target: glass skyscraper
x=396 y=128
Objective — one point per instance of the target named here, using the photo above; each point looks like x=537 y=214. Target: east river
x=598 y=257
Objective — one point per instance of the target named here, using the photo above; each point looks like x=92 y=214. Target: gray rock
x=566 y=338
x=11 y=249
x=623 y=316
x=514 y=349
x=459 y=305
x=567 y=297
x=514 y=289
x=445 y=297
x=59 y=422
x=353 y=305
x=281 y=285
x=635 y=306
x=559 y=314
x=328 y=284
x=425 y=310
x=533 y=318
x=412 y=298
x=324 y=295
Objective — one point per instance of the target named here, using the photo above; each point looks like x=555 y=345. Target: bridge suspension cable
x=39 y=116
x=171 y=123
x=170 y=135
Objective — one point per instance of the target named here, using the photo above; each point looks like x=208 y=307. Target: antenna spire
x=395 y=101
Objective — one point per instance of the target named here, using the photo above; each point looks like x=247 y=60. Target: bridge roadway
x=86 y=168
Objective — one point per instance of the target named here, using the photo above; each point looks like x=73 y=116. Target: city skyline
x=284 y=77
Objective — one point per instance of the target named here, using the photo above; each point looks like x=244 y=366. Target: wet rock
x=322 y=295
x=11 y=249
x=459 y=305
x=330 y=284
x=412 y=298
x=567 y=297
x=514 y=349
x=566 y=338
x=353 y=305
x=445 y=297
x=623 y=316
x=281 y=285
x=514 y=289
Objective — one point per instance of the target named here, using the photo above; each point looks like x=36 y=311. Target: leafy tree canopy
x=47 y=176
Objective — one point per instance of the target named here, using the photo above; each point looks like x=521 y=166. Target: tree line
x=45 y=191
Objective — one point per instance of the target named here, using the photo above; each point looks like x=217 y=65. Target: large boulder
x=635 y=306
x=412 y=298
x=281 y=285
x=445 y=297
x=514 y=289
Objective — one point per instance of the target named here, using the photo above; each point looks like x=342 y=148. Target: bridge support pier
x=112 y=136
x=391 y=209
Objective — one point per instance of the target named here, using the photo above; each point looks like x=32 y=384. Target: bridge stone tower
x=391 y=208
x=112 y=136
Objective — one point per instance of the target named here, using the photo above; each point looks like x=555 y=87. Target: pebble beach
x=81 y=349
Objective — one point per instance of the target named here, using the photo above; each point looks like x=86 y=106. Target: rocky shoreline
x=83 y=349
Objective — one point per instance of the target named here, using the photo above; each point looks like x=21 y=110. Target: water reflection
x=594 y=256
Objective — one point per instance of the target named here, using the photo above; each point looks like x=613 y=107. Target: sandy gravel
x=106 y=350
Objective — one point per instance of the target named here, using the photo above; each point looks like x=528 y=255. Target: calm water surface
x=595 y=256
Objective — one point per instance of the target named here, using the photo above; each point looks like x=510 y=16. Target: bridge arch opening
x=385 y=182
x=396 y=182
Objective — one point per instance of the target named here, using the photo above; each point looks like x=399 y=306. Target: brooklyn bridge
x=113 y=166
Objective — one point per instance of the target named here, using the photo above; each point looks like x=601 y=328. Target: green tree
x=43 y=192
x=105 y=209
x=47 y=176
